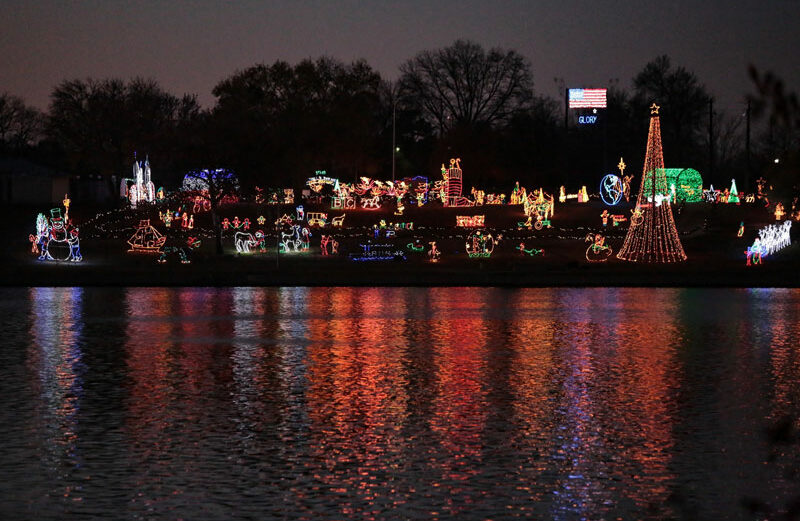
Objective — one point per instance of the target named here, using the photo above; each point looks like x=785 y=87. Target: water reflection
x=316 y=403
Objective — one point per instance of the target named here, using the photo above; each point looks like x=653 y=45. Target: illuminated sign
x=587 y=120
x=587 y=99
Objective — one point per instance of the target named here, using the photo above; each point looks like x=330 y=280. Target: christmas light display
x=378 y=252
x=754 y=253
x=470 y=221
x=371 y=203
x=200 y=186
x=541 y=222
x=297 y=240
x=338 y=221
x=66 y=202
x=480 y=244
x=191 y=243
x=611 y=190
x=686 y=184
x=142 y=189
x=597 y=251
x=415 y=246
x=733 y=195
x=453 y=185
x=434 y=254
x=711 y=195
x=261 y=220
x=741 y=229
x=655 y=239
x=317 y=219
x=244 y=241
x=284 y=220
x=779 y=211
x=56 y=239
x=146 y=239
x=300 y=213
x=775 y=237
x=288 y=196
x=529 y=251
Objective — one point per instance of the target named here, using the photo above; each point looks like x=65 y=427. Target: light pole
x=394 y=148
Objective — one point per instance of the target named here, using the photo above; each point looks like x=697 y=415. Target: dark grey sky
x=190 y=46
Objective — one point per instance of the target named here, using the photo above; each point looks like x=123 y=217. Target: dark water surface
x=393 y=403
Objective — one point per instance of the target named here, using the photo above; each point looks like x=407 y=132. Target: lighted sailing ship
x=146 y=239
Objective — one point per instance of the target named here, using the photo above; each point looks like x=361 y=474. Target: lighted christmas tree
x=733 y=197
x=654 y=237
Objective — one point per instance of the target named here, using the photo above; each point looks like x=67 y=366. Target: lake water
x=398 y=403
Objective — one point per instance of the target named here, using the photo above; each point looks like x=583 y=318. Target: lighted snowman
x=62 y=243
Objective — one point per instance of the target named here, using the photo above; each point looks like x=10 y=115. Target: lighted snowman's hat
x=55 y=215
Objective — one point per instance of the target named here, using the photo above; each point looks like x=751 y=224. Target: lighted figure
x=300 y=212
x=168 y=219
x=39 y=241
x=741 y=229
x=541 y=222
x=604 y=217
x=626 y=187
x=400 y=206
x=528 y=223
x=755 y=252
x=192 y=243
x=583 y=195
x=296 y=240
x=246 y=242
x=334 y=246
x=434 y=254
x=66 y=202
x=598 y=251
x=226 y=223
x=479 y=196
x=761 y=184
x=160 y=193
x=236 y=223
x=453 y=185
x=317 y=219
x=288 y=196
x=654 y=238
x=415 y=246
x=562 y=196
x=146 y=239
x=637 y=216
x=338 y=221
x=201 y=204
x=246 y=224
x=56 y=239
x=371 y=203
x=261 y=220
x=779 y=212
x=480 y=244
x=185 y=220
x=529 y=251
x=323 y=244
x=420 y=199
x=259 y=195
x=191 y=222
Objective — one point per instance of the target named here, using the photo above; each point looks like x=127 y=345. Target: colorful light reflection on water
x=329 y=403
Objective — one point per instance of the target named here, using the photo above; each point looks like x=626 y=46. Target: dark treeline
x=275 y=125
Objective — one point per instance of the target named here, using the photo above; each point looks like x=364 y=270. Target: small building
x=25 y=182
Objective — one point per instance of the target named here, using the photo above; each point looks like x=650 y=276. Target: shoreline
x=227 y=271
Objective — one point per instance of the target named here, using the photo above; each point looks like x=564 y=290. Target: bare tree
x=464 y=85
x=20 y=125
x=213 y=186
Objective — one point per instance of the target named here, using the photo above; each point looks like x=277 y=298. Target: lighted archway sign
x=611 y=189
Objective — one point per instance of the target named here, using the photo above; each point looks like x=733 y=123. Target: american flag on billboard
x=587 y=98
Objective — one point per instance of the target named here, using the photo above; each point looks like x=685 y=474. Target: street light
x=395 y=148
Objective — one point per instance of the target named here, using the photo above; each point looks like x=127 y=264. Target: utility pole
x=711 y=140
x=747 y=147
x=394 y=148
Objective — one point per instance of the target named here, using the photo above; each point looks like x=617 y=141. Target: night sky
x=191 y=46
